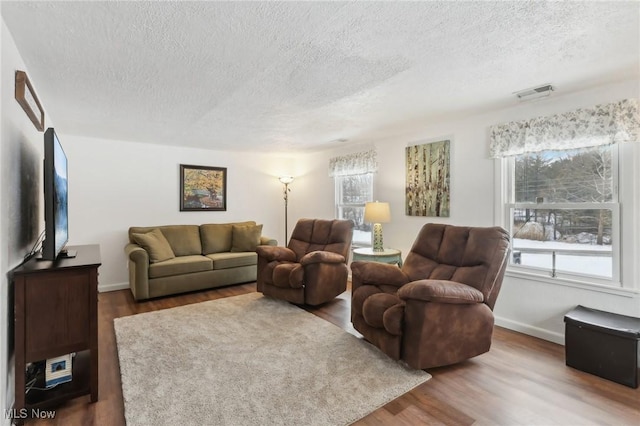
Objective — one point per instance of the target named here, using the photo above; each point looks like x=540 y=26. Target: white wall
x=537 y=306
x=21 y=153
x=533 y=306
x=4 y=315
x=114 y=185
x=117 y=184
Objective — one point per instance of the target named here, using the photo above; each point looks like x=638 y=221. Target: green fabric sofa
x=165 y=260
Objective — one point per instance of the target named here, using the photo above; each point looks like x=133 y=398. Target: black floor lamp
x=286 y=180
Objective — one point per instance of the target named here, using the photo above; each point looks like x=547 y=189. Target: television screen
x=55 y=197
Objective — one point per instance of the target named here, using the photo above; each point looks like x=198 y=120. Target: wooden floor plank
x=521 y=381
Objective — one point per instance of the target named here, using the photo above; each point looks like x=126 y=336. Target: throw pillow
x=155 y=244
x=245 y=237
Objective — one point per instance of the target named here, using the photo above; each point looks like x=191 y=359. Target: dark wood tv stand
x=56 y=313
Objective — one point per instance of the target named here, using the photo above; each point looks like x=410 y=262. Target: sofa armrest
x=138 y=271
x=320 y=256
x=271 y=253
x=136 y=253
x=268 y=241
x=374 y=273
x=441 y=291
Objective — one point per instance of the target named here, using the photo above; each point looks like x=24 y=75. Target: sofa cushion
x=217 y=237
x=233 y=260
x=183 y=239
x=180 y=265
x=245 y=237
x=155 y=243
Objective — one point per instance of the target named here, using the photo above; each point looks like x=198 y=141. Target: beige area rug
x=250 y=360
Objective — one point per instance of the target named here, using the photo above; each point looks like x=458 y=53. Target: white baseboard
x=102 y=288
x=540 y=333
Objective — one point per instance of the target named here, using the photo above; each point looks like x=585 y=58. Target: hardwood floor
x=521 y=381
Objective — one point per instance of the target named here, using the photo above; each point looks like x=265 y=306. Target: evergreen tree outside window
x=563 y=212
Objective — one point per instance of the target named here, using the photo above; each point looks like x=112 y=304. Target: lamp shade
x=377 y=212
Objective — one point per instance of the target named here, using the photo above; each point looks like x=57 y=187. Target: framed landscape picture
x=203 y=188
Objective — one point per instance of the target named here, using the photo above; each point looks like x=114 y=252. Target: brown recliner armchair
x=438 y=309
x=312 y=269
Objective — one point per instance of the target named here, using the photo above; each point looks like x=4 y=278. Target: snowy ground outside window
x=589 y=264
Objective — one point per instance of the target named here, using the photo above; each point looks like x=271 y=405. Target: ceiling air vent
x=534 y=93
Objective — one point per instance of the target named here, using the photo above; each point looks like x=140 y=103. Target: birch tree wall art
x=427 y=184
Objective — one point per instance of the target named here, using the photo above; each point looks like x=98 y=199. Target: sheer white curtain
x=600 y=125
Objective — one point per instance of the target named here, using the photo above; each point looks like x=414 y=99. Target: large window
x=353 y=175
x=563 y=213
x=352 y=192
x=559 y=188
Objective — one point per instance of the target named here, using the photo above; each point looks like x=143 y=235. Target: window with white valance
x=354 y=164
x=353 y=175
x=560 y=190
x=585 y=127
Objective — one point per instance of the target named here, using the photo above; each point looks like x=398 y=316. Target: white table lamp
x=377 y=213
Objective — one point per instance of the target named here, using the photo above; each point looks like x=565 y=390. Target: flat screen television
x=56 y=228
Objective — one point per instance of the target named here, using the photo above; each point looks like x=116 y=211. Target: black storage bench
x=603 y=343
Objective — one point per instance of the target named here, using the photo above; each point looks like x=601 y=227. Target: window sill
x=601 y=288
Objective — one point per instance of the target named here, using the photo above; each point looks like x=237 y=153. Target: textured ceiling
x=275 y=76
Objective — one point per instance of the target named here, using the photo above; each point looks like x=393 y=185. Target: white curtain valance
x=584 y=127
x=354 y=164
